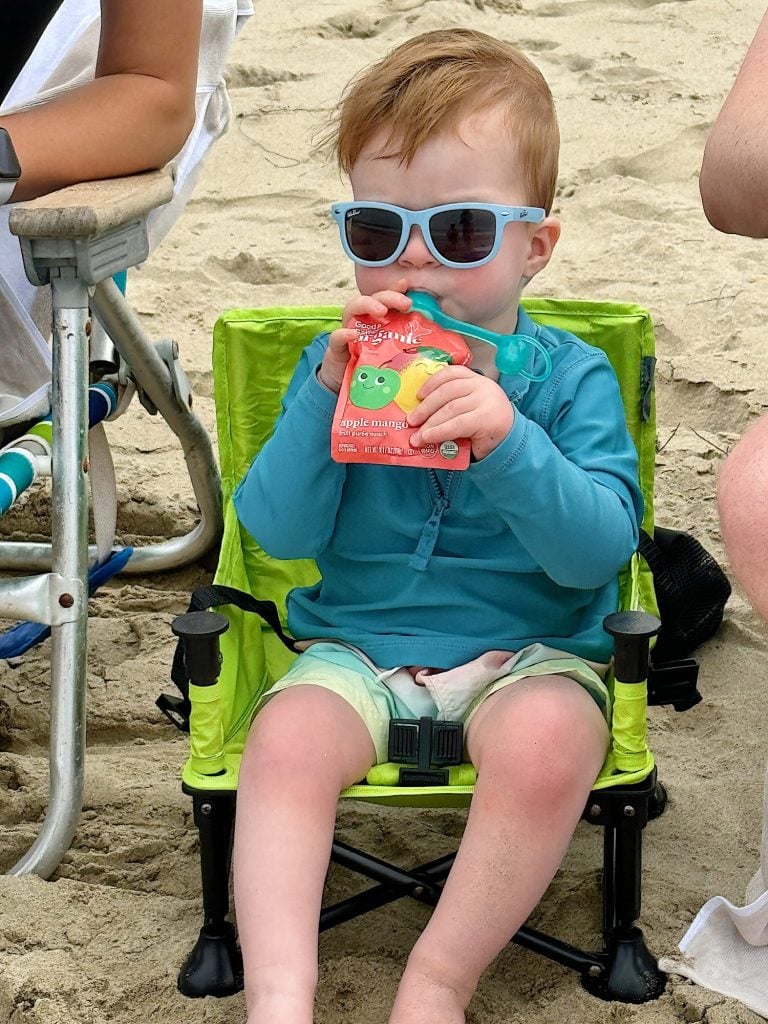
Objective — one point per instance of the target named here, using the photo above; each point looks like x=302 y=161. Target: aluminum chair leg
x=69 y=526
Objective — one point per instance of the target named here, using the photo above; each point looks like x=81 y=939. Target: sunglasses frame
x=420 y=218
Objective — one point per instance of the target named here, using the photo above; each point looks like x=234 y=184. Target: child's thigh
x=336 y=671
x=308 y=728
x=541 y=724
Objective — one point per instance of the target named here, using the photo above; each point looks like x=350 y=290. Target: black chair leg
x=215 y=966
x=631 y=974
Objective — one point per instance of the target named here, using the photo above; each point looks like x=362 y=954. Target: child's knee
x=282 y=734
x=544 y=741
x=308 y=732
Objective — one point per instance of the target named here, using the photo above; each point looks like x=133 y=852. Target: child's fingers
x=394 y=299
x=448 y=427
x=437 y=391
x=336 y=357
x=376 y=305
x=447 y=373
x=363 y=305
x=457 y=418
x=340 y=339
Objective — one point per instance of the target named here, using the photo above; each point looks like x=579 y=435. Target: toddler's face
x=477 y=164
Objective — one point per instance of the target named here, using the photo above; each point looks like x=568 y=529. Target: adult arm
x=570 y=491
x=134 y=116
x=289 y=498
x=734 y=172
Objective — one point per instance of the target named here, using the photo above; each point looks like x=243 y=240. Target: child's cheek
x=370 y=280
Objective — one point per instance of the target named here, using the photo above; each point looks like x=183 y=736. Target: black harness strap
x=177 y=709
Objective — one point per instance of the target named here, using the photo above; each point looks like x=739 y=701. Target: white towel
x=726 y=947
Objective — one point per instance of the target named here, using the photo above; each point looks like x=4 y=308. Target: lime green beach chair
x=254 y=354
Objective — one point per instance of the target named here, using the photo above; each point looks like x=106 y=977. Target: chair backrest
x=254 y=354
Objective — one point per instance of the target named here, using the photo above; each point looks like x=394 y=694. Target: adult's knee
x=743 y=483
x=742 y=499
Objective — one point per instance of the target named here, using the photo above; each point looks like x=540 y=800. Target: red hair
x=428 y=84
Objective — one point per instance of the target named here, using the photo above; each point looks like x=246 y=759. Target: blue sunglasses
x=457 y=234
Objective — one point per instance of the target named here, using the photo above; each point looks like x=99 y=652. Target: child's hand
x=456 y=402
x=336 y=356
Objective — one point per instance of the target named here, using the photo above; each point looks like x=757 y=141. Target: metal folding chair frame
x=75 y=240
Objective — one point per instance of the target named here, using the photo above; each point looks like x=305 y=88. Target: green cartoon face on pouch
x=373 y=387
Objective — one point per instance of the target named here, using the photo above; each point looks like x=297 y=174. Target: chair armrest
x=631 y=632
x=92 y=207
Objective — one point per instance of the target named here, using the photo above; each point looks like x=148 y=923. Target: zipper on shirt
x=441 y=502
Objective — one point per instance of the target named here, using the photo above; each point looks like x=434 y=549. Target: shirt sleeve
x=568 y=486
x=289 y=498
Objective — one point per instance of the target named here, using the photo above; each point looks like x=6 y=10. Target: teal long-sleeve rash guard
x=425 y=567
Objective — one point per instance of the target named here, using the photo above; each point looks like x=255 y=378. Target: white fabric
x=7 y=188
x=101 y=474
x=726 y=947
x=64 y=58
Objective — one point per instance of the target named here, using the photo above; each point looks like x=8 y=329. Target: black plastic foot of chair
x=631 y=975
x=214 y=967
x=658 y=802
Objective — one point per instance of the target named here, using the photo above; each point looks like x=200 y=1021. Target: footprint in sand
x=256 y=76
x=356 y=25
x=252 y=269
x=558 y=9
x=537 y=45
x=657 y=165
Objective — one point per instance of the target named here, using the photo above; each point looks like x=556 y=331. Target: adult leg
x=742 y=498
x=538 y=746
x=305 y=746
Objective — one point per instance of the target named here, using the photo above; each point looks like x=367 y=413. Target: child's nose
x=416 y=253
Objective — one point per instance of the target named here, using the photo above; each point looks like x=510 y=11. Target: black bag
x=691 y=591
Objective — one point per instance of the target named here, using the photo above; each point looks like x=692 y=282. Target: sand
x=637 y=84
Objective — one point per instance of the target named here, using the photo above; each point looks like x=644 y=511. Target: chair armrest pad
x=91 y=207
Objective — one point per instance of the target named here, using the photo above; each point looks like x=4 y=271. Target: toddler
x=475 y=595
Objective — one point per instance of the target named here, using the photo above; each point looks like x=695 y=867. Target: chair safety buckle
x=429 y=745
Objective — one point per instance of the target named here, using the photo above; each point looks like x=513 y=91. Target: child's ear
x=543 y=241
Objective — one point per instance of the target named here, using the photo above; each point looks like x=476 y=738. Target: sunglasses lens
x=372 y=235
x=463 y=235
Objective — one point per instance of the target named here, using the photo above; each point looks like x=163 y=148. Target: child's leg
x=305 y=746
x=538 y=746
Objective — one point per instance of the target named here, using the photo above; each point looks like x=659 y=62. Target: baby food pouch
x=389 y=361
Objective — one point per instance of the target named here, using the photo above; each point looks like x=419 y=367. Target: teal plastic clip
x=512 y=350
